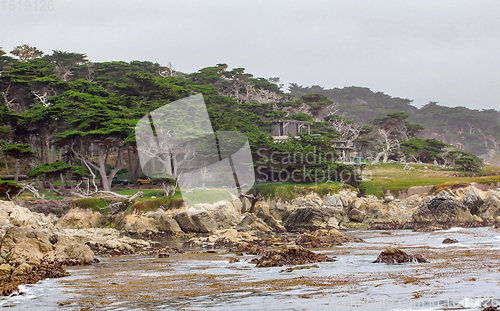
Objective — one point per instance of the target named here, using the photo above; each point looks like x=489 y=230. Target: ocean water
x=464 y=275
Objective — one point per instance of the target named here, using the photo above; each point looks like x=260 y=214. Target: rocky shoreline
x=35 y=246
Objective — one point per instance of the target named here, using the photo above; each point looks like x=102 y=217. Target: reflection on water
x=458 y=276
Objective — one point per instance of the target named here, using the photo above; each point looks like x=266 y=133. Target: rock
x=246 y=205
x=23 y=268
x=414 y=198
x=204 y=223
x=310 y=200
x=163 y=255
x=252 y=223
x=206 y=218
x=233 y=260
x=323 y=238
x=277 y=209
x=150 y=224
x=77 y=218
x=446 y=194
x=25 y=275
x=449 y=241
x=333 y=201
x=393 y=255
x=290 y=256
x=5 y=269
x=274 y=224
x=305 y=219
x=491 y=206
x=166 y=224
x=388 y=198
x=198 y=221
x=186 y=223
x=238 y=205
x=440 y=210
x=473 y=199
x=356 y=215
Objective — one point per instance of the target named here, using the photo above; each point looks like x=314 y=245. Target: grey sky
x=445 y=51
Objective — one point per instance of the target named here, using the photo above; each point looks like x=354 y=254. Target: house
x=343 y=149
x=283 y=128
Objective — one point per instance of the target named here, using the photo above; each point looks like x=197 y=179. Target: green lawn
x=289 y=191
x=392 y=177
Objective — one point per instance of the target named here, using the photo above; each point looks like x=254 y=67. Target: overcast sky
x=425 y=50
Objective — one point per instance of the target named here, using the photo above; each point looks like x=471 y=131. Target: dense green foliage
x=476 y=131
x=62 y=114
x=9 y=189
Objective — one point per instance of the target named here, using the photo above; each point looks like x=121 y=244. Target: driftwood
x=31 y=189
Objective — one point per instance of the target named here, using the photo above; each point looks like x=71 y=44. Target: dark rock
x=253 y=223
x=393 y=255
x=307 y=219
x=233 y=260
x=440 y=210
x=163 y=255
x=323 y=238
x=449 y=241
x=290 y=256
x=356 y=215
x=9 y=283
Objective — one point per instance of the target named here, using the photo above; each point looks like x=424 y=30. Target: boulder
x=308 y=218
x=204 y=223
x=253 y=223
x=32 y=238
x=290 y=256
x=157 y=223
x=449 y=241
x=441 y=209
x=246 y=205
x=186 y=223
x=5 y=269
x=323 y=238
x=356 y=215
x=77 y=218
x=206 y=218
x=333 y=201
x=393 y=255
x=490 y=209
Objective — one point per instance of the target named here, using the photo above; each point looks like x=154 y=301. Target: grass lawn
x=289 y=191
x=393 y=177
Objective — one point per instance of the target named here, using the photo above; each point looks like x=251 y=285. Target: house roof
x=293 y=121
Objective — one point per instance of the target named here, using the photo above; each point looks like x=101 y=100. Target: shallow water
x=462 y=275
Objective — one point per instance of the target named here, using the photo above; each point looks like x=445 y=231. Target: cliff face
x=34 y=247
x=464 y=206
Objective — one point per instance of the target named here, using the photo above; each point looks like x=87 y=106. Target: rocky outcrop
x=32 y=238
x=33 y=247
x=310 y=218
x=444 y=208
x=393 y=255
x=11 y=278
x=323 y=238
x=77 y=218
x=251 y=222
x=290 y=256
x=150 y=224
x=490 y=209
x=206 y=218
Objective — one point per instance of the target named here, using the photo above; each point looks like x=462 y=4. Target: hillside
x=467 y=129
